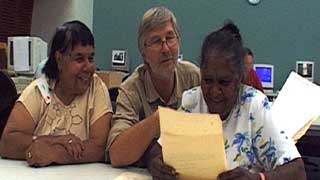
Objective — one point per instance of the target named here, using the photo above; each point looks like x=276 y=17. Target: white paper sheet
x=297 y=103
x=133 y=176
x=21 y=54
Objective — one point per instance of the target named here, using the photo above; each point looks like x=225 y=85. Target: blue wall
x=278 y=32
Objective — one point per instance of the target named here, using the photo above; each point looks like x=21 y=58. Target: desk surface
x=14 y=170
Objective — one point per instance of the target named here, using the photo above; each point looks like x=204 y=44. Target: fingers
x=30 y=161
x=164 y=174
x=34 y=163
x=29 y=156
x=72 y=139
x=72 y=144
x=237 y=173
x=37 y=154
x=159 y=170
x=163 y=168
x=75 y=150
x=34 y=160
x=68 y=139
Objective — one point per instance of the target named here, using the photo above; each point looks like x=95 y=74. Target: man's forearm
x=132 y=143
x=292 y=170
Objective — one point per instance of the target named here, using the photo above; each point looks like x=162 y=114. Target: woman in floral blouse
x=255 y=149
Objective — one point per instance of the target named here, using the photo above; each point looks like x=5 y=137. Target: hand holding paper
x=192 y=144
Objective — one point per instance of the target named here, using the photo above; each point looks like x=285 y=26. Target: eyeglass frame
x=162 y=41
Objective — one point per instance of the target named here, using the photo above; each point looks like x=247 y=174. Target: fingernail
x=177 y=175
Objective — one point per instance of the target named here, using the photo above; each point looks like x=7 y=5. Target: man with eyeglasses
x=160 y=81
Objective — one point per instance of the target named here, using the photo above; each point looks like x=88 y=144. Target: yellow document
x=192 y=144
x=304 y=129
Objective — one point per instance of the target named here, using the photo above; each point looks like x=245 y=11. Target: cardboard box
x=111 y=78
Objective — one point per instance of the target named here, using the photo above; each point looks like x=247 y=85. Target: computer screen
x=265 y=73
x=305 y=69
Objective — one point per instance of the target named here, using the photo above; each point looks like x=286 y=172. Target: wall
x=278 y=32
x=48 y=14
x=15 y=18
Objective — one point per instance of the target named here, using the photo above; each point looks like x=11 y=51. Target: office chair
x=3 y=55
x=8 y=94
x=113 y=93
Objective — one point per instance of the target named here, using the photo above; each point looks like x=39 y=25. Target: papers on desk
x=296 y=106
x=133 y=176
x=192 y=144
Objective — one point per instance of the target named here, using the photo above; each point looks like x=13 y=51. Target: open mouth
x=215 y=100
x=84 y=79
x=166 y=61
x=216 y=105
x=166 y=58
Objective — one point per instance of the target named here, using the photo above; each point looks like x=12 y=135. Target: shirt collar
x=152 y=95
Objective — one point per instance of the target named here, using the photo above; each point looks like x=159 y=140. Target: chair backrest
x=113 y=93
x=8 y=94
x=3 y=55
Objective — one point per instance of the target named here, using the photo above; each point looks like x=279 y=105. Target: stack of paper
x=192 y=144
x=296 y=106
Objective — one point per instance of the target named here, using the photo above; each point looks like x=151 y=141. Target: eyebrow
x=83 y=54
x=168 y=33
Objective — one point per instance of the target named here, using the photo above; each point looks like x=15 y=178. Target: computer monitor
x=265 y=73
x=305 y=69
x=25 y=53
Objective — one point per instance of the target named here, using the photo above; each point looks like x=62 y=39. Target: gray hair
x=154 y=18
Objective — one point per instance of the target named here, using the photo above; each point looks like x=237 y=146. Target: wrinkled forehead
x=219 y=55
x=83 y=49
x=220 y=62
x=161 y=30
x=215 y=63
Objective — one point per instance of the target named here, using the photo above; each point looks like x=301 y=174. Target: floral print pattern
x=251 y=139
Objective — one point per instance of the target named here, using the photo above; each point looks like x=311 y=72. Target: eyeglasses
x=157 y=43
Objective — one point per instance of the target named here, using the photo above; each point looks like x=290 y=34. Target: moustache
x=166 y=58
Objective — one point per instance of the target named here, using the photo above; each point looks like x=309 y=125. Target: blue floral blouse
x=251 y=139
